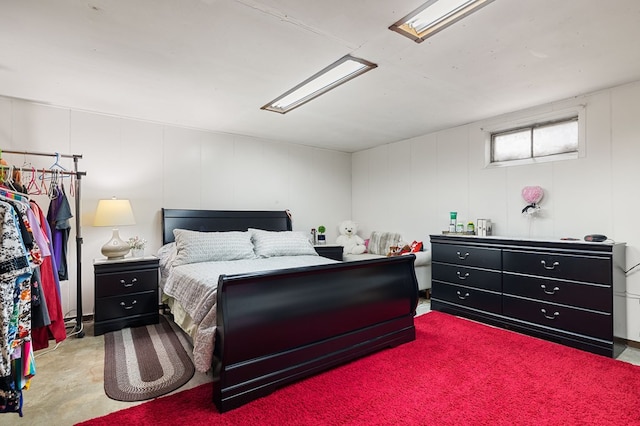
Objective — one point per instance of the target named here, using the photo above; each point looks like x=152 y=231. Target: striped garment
x=379 y=242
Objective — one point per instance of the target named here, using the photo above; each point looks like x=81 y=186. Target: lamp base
x=115 y=248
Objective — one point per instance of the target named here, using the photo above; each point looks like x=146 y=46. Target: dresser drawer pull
x=128 y=307
x=551 y=317
x=462 y=277
x=544 y=288
x=126 y=284
x=462 y=256
x=544 y=264
x=461 y=296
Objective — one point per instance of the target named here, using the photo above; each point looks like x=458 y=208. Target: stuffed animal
x=349 y=239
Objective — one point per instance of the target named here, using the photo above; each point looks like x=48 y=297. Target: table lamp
x=114 y=213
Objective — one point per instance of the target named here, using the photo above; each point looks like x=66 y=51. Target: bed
x=273 y=327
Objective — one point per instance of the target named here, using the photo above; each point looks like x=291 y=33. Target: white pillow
x=281 y=243
x=194 y=246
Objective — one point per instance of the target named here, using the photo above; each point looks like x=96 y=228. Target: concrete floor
x=68 y=386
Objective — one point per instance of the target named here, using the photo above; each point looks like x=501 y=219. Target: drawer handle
x=462 y=256
x=551 y=317
x=544 y=264
x=461 y=296
x=544 y=288
x=462 y=277
x=126 y=284
x=128 y=307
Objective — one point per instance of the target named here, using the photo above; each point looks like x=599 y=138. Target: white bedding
x=194 y=287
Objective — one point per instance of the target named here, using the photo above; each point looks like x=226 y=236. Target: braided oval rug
x=145 y=362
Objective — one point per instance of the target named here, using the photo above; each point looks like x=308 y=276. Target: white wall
x=156 y=165
x=411 y=186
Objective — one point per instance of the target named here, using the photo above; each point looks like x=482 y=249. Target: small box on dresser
x=125 y=293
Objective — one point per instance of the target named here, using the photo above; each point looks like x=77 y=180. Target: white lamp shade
x=114 y=212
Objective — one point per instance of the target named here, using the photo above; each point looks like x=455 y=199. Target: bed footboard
x=277 y=327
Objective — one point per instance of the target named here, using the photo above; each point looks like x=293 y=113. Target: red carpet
x=457 y=372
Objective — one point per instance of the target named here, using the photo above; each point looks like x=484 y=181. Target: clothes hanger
x=57 y=164
x=72 y=185
x=7 y=178
x=8 y=190
x=33 y=187
x=43 y=185
x=13 y=195
x=53 y=186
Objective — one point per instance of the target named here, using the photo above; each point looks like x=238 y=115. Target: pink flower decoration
x=532 y=194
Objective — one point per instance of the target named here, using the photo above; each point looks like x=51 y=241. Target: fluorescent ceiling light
x=434 y=16
x=332 y=76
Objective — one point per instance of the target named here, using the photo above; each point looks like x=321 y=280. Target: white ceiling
x=211 y=64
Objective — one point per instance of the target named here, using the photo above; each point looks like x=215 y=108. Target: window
x=550 y=137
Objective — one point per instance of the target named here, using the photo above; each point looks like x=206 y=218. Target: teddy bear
x=349 y=239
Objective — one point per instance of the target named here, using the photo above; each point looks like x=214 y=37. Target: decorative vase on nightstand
x=137 y=245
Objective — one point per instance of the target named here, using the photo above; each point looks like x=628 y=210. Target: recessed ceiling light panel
x=434 y=16
x=339 y=72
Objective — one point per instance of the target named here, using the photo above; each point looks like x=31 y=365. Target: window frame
x=532 y=121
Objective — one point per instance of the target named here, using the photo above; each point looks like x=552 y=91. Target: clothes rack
x=78 y=330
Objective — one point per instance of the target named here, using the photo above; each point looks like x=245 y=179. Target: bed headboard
x=222 y=220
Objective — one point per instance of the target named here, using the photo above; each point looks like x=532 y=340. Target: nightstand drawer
x=126 y=305
x=119 y=283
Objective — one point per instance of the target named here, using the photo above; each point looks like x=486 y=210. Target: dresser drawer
x=118 y=283
x=588 y=296
x=470 y=277
x=467 y=297
x=126 y=305
x=587 y=323
x=467 y=255
x=571 y=267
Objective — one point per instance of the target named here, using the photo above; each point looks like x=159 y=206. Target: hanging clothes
x=15 y=270
x=33 y=260
x=23 y=294
x=33 y=238
x=50 y=287
x=58 y=217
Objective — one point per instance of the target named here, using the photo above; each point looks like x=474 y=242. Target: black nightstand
x=331 y=252
x=126 y=293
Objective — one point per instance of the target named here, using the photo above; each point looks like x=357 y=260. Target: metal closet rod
x=49 y=154
x=48 y=171
x=42 y=154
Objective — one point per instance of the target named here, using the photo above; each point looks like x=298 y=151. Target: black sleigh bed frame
x=281 y=326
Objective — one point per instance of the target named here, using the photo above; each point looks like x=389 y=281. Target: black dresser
x=562 y=291
x=126 y=293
